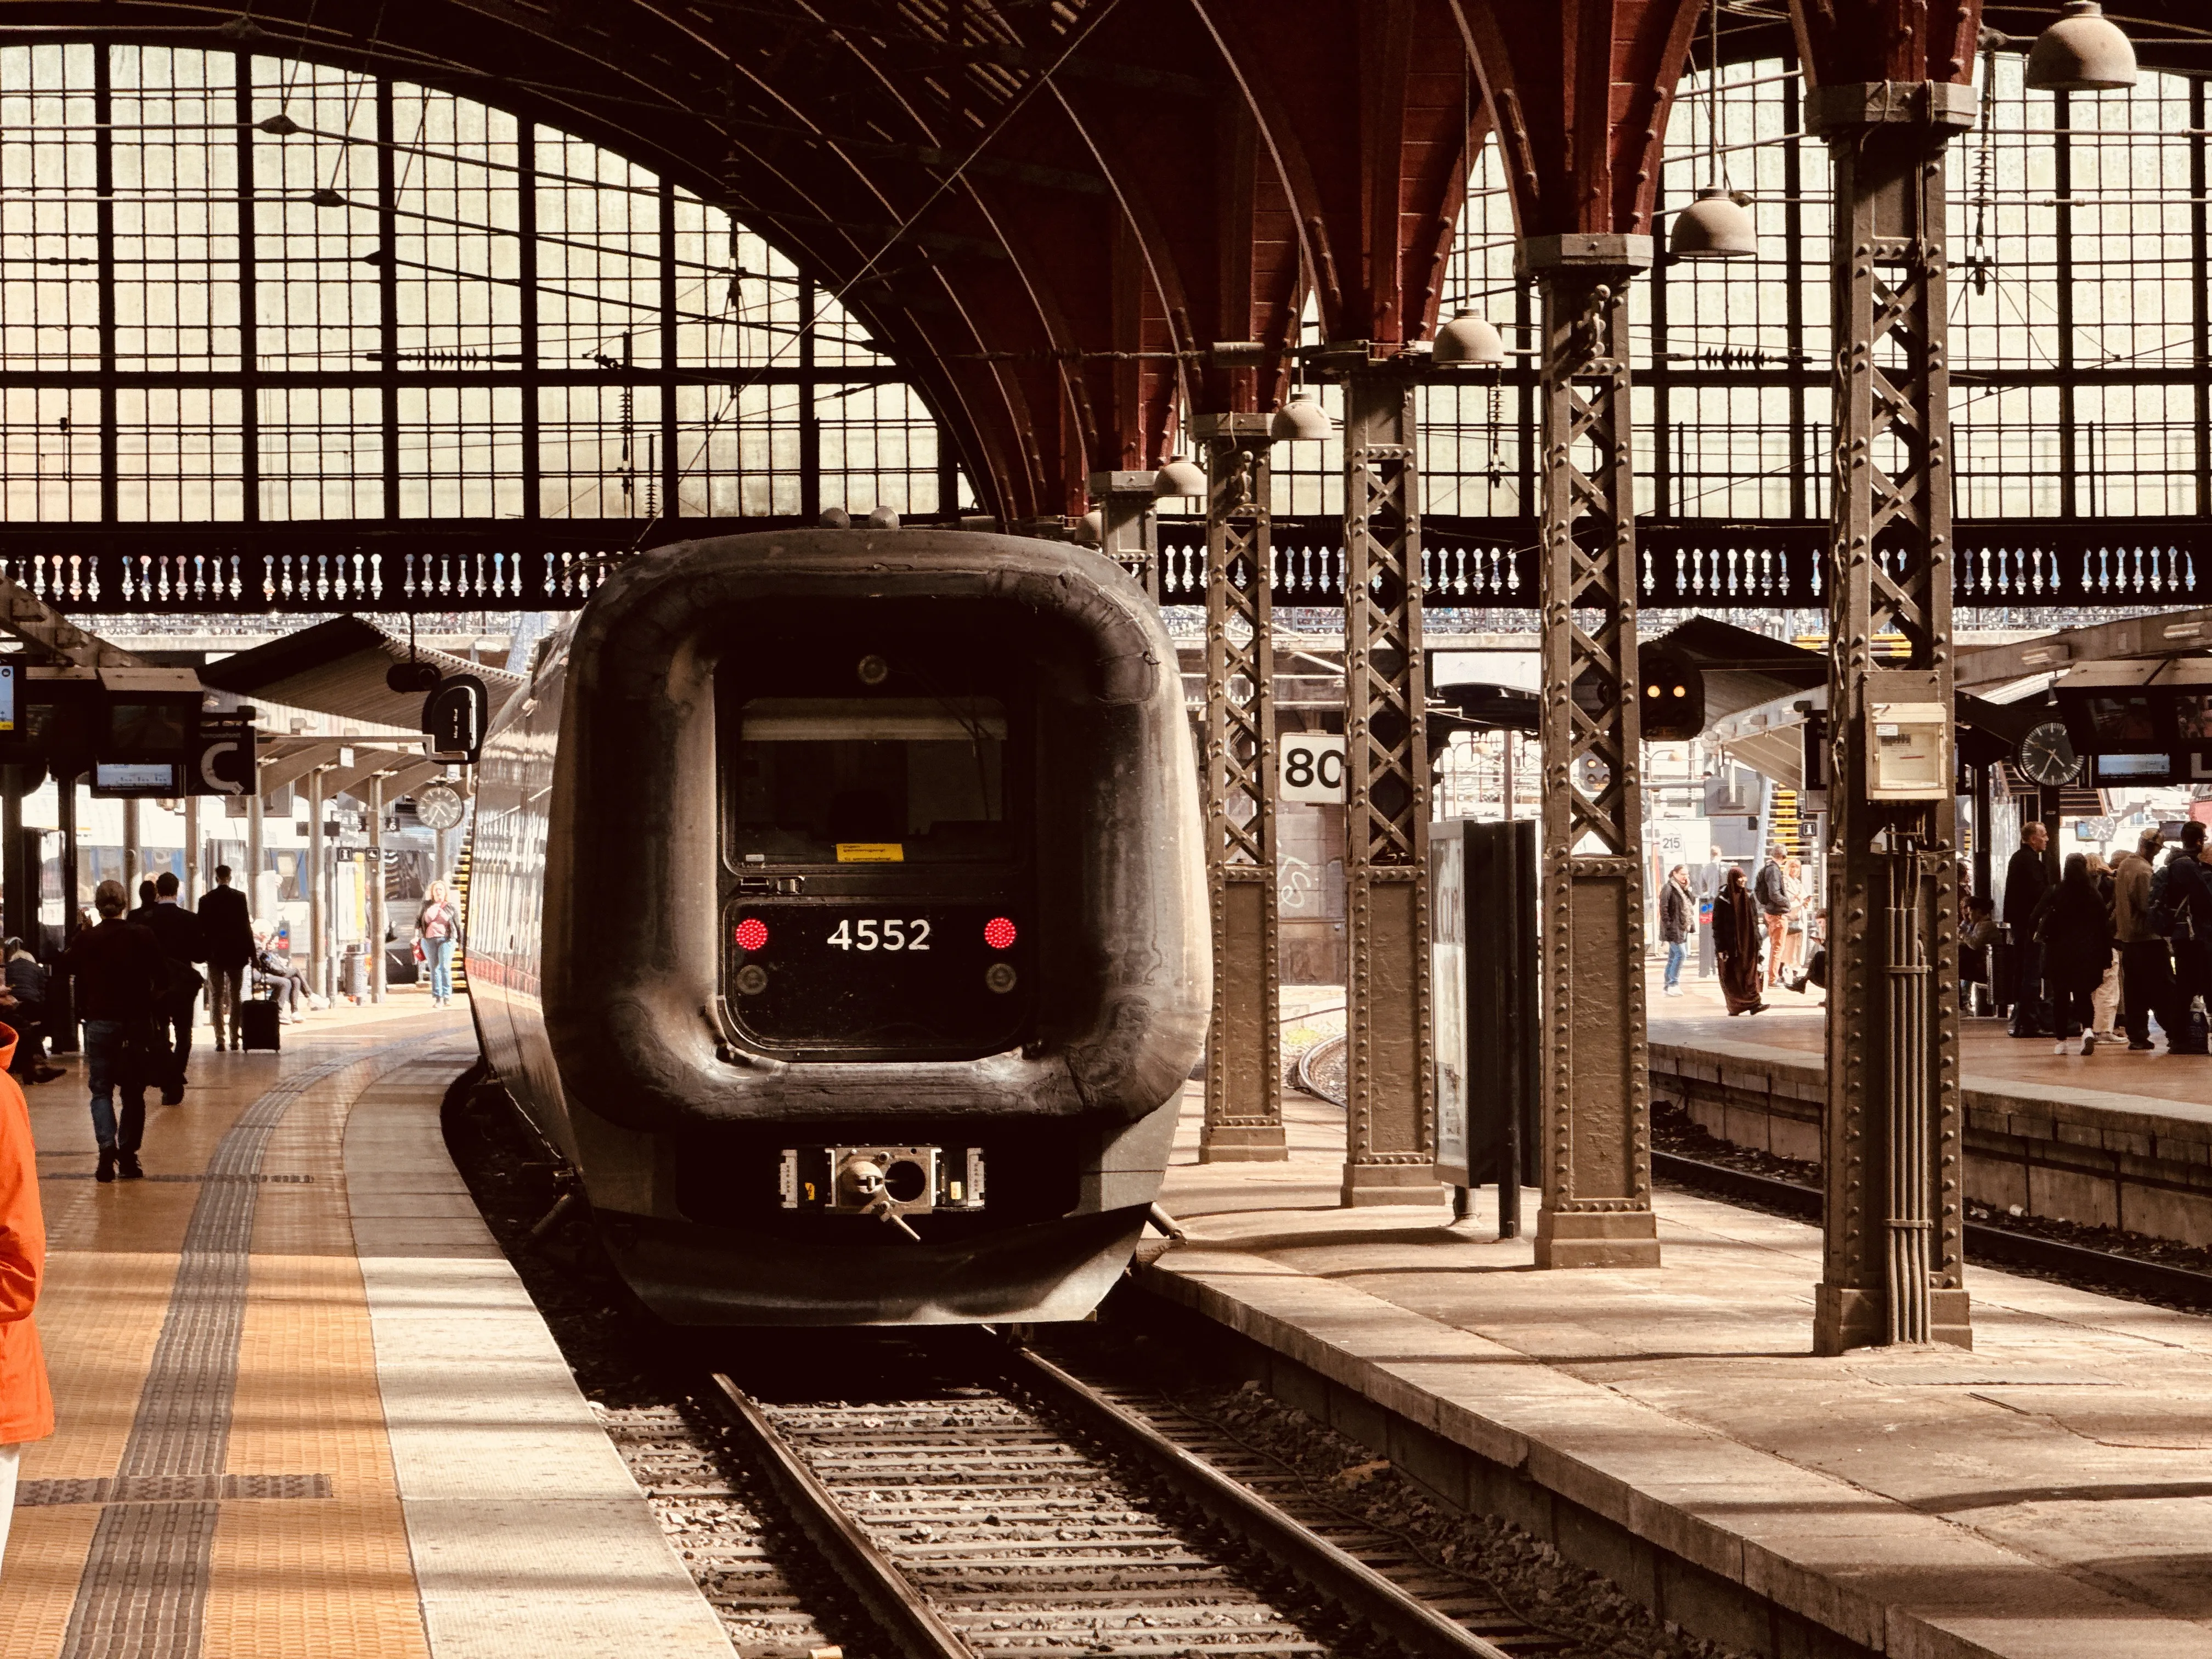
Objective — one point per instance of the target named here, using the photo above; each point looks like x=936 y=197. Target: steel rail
x=891 y=1599
x=1997 y=1246
x=1342 y=1578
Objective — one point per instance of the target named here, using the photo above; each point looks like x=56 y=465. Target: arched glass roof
x=238 y=288
x=2077 y=248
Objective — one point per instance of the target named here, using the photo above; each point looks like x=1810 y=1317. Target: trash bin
x=355 y=973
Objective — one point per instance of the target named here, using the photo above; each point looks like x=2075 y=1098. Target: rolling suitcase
x=258 y=1025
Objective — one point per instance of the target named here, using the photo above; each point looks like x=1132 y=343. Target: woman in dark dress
x=2075 y=930
x=1738 y=931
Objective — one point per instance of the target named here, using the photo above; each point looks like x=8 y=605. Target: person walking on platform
x=2026 y=880
x=1678 y=920
x=1772 y=891
x=2105 y=1000
x=438 y=923
x=117 y=968
x=226 y=932
x=2181 y=899
x=182 y=944
x=2075 y=932
x=2146 y=965
x=1739 y=930
x=26 y=1405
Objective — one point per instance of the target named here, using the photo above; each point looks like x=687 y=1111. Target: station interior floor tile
x=261 y=1432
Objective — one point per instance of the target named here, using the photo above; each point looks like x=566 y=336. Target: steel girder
x=1375 y=182
x=1376 y=179
x=1893 y=1267
x=1596 y=1152
x=1582 y=94
x=1390 y=1081
x=1244 y=1050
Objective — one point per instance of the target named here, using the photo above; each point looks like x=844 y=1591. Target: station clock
x=2047 y=757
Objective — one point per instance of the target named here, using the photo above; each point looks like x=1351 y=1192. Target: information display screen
x=137 y=779
x=2135 y=769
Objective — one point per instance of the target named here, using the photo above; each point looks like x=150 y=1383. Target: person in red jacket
x=26 y=1407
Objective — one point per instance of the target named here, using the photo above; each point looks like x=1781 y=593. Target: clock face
x=2047 y=757
x=439 y=805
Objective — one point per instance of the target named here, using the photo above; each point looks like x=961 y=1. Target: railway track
x=1997 y=1246
x=1033 y=1515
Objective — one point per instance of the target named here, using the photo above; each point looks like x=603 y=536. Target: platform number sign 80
x=870 y=934
x=1312 y=769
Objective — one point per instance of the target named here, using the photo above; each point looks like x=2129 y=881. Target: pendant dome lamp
x=2083 y=52
x=1470 y=341
x=1716 y=226
x=1178 y=477
x=1301 y=420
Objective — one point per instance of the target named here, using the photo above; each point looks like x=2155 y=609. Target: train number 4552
x=870 y=934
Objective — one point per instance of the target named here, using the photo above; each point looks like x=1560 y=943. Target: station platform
x=2047 y=1496
x=2114 y=1138
x=305 y=1406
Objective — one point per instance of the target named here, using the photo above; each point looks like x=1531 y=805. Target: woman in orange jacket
x=27 y=1409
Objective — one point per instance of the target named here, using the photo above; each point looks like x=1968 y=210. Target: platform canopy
x=338 y=667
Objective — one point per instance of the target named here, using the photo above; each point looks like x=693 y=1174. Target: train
x=837 y=912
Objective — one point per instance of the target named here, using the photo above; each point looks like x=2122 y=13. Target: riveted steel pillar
x=1390 y=1068
x=1243 y=1046
x=1129 y=524
x=1596 y=1153
x=1893 y=1267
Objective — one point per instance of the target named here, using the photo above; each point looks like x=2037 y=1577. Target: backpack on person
x=1769 y=889
x=2167 y=914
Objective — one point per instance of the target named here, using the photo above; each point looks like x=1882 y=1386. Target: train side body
x=806 y=854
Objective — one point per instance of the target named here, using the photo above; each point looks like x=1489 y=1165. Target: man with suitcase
x=226 y=926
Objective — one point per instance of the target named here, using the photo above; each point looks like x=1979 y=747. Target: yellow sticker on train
x=870 y=852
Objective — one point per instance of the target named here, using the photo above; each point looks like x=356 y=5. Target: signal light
x=752 y=935
x=999 y=934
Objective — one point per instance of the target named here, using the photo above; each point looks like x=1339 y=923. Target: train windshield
x=835 y=780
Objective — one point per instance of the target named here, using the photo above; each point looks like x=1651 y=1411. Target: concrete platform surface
x=306 y=1407
x=2048 y=1496
x=1991 y=1059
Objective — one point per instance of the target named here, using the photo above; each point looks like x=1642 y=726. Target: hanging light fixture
x=1470 y=341
x=2083 y=52
x=1301 y=421
x=1090 y=529
x=883 y=518
x=1179 y=477
x=1716 y=226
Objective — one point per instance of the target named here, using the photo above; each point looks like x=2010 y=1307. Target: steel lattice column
x=1243 y=1048
x=1390 y=1068
x=1893 y=1269
x=1596 y=1090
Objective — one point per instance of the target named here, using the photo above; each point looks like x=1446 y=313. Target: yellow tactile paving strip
x=330 y=1576
x=287 y=1578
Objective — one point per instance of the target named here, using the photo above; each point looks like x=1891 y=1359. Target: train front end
x=880 y=958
